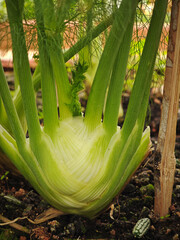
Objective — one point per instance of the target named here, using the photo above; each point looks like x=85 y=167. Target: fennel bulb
x=77 y=171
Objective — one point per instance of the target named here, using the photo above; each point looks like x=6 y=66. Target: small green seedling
x=4 y=175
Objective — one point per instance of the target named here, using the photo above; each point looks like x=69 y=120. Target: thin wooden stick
x=164 y=161
x=45 y=216
x=12 y=223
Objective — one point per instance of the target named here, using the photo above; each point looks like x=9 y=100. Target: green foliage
x=77 y=83
x=165 y=217
x=29 y=10
x=3 y=14
x=7 y=234
x=4 y=176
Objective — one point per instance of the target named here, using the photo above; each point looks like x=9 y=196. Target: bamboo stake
x=164 y=160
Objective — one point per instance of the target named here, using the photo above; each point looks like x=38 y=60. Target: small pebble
x=176 y=237
x=55 y=237
x=145 y=174
x=177 y=172
x=113 y=232
x=178 y=195
x=70 y=229
x=53 y=225
x=168 y=231
x=177 y=189
x=145 y=212
x=152 y=228
x=129 y=188
x=20 y=193
x=177 y=180
x=22 y=238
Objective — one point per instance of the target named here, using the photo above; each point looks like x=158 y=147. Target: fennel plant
x=77 y=163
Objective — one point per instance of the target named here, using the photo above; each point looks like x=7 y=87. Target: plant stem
x=116 y=84
x=11 y=111
x=62 y=81
x=58 y=63
x=81 y=43
x=55 y=65
x=48 y=90
x=47 y=78
x=141 y=86
x=97 y=95
x=21 y=56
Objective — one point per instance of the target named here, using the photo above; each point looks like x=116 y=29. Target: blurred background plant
x=81 y=19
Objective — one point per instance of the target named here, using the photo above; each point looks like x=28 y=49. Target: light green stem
x=11 y=111
x=47 y=78
x=141 y=86
x=48 y=92
x=97 y=95
x=62 y=81
x=116 y=84
x=81 y=44
x=52 y=54
x=21 y=56
x=57 y=60
x=137 y=107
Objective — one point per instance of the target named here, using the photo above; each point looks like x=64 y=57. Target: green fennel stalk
x=78 y=163
x=78 y=46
